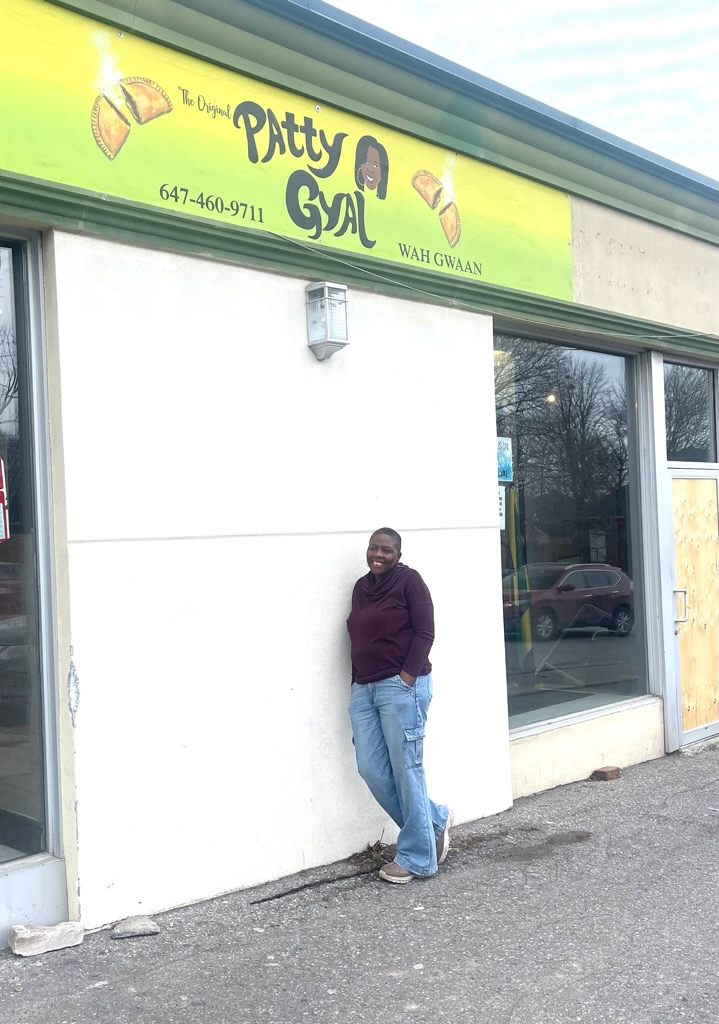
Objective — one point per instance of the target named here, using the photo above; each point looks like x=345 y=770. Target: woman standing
x=391 y=628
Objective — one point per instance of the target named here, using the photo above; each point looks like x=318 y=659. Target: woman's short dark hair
x=389 y=532
x=361 y=156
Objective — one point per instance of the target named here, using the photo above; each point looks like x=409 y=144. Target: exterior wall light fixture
x=326 y=318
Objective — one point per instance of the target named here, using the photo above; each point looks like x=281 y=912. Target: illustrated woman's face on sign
x=371 y=169
x=382 y=554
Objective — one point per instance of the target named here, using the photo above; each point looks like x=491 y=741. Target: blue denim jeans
x=388 y=720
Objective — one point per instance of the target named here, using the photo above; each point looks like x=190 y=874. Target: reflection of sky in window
x=613 y=366
x=5 y=289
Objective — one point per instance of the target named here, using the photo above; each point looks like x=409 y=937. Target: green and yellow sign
x=92 y=107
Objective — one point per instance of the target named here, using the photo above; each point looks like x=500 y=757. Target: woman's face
x=382 y=554
x=371 y=169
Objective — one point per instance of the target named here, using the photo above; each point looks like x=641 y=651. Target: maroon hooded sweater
x=391 y=625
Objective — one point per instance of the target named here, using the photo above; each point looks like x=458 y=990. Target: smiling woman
x=391 y=627
x=569 y=571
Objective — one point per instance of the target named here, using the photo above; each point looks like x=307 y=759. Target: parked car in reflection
x=559 y=597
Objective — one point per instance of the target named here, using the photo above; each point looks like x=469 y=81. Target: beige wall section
x=630 y=266
x=570 y=752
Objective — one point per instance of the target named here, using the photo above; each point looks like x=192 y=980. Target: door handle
x=686 y=606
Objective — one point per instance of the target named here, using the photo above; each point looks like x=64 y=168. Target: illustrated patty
x=145 y=99
x=449 y=219
x=429 y=187
x=109 y=126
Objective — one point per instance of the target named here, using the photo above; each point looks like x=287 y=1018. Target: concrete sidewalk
x=596 y=902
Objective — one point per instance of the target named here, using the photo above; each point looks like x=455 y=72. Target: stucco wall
x=630 y=266
x=220 y=487
x=568 y=751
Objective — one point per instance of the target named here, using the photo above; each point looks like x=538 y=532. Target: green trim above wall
x=40 y=204
x=311 y=48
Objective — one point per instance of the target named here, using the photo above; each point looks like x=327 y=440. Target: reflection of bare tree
x=568 y=419
x=9 y=446
x=687 y=401
x=524 y=373
x=568 y=434
x=8 y=368
x=615 y=411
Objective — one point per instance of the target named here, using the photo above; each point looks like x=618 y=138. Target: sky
x=645 y=70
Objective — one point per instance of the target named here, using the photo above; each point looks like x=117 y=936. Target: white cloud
x=640 y=69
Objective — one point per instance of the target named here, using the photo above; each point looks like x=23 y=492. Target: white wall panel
x=221 y=485
x=194 y=406
x=213 y=744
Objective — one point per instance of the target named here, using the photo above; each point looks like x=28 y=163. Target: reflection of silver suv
x=560 y=597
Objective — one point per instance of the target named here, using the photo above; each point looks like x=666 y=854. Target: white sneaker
x=443 y=841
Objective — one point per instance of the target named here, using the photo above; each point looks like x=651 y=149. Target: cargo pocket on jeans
x=413 y=747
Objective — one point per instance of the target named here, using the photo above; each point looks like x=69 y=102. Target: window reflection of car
x=560 y=597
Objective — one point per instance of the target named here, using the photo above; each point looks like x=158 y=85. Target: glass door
x=32 y=886
x=22 y=782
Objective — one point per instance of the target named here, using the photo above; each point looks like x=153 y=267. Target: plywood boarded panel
x=696 y=548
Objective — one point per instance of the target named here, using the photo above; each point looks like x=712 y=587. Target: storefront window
x=570 y=583
x=22 y=782
x=689 y=413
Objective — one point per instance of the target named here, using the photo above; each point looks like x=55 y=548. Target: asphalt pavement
x=596 y=902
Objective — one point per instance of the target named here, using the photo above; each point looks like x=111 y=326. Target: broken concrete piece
x=605 y=774
x=133 y=926
x=31 y=939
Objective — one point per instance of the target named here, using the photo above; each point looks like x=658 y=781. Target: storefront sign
x=95 y=108
x=502 y=495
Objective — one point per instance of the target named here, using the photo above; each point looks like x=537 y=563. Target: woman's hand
x=407 y=679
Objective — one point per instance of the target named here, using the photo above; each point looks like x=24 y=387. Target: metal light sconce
x=326 y=318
